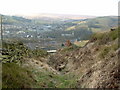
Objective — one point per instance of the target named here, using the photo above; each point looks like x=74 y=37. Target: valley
x=50 y=32
x=60 y=53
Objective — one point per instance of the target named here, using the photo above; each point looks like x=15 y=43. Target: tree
x=62 y=45
x=68 y=43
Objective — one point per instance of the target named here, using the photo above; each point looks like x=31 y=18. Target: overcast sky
x=79 y=7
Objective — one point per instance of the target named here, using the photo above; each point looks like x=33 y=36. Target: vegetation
x=81 y=43
x=15 y=20
x=39 y=53
x=103 y=38
x=97 y=64
x=106 y=50
x=19 y=74
x=14 y=76
x=99 y=23
x=49 y=80
x=70 y=48
x=16 y=51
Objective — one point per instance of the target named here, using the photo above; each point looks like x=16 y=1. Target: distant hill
x=64 y=24
x=78 y=21
x=96 y=24
x=14 y=20
x=58 y=16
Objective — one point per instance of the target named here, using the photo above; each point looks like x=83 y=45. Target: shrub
x=39 y=53
x=14 y=51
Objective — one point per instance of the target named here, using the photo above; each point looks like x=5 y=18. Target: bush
x=39 y=53
x=14 y=51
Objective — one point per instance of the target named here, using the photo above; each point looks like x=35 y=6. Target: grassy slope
x=96 y=24
x=15 y=20
x=14 y=76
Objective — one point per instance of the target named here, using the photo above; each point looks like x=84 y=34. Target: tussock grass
x=47 y=79
x=14 y=76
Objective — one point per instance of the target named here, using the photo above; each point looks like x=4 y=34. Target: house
x=72 y=34
x=52 y=51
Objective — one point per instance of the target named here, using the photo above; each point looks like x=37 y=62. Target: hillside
x=55 y=30
x=93 y=66
x=96 y=24
x=13 y=20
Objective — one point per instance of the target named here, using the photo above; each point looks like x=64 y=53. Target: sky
x=76 y=7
